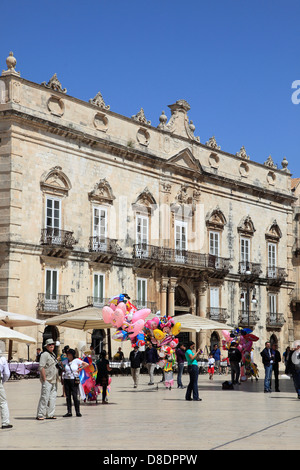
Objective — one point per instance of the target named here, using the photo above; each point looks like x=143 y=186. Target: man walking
x=48 y=377
x=136 y=358
x=267 y=360
x=235 y=357
x=151 y=360
x=277 y=359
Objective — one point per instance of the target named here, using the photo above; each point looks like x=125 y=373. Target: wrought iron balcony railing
x=103 y=245
x=139 y=304
x=54 y=237
x=143 y=251
x=249 y=270
x=217 y=314
x=53 y=303
x=246 y=318
x=275 y=320
x=98 y=301
x=276 y=274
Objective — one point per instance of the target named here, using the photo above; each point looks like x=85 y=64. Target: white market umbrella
x=13 y=335
x=194 y=323
x=16 y=319
x=84 y=318
x=11 y=320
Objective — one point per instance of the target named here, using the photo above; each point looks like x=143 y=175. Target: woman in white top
x=71 y=381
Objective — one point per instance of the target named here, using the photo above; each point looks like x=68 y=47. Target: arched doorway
x=273 y=339
x=182 y=306
x=182 y=301
x=51 y=331
x=98 y=339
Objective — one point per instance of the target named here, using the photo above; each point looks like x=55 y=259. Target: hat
x=49 y=341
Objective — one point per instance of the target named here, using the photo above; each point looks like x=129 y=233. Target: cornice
x=133 y=154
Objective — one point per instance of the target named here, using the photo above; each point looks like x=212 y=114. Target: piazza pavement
x=152 y=418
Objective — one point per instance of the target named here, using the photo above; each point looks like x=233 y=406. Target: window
x=99 y=228
x=245 y=254
x=142 y=229
x=100 y=223
x=273 y=307
x=272 y=260
x=53 y=218
x=214 y=243
x=98 y=291
x=51 y=300
x=180 y=240
x=214 y=303
x=141 y=293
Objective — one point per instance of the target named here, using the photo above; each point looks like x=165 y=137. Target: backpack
x=227 y=385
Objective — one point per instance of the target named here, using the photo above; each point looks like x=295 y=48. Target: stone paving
x=153 y=418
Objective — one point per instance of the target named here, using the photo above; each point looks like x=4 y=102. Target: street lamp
x=253 y=301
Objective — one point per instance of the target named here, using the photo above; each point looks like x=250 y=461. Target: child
x=211 y=366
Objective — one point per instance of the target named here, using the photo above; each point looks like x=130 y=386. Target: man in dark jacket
x=151 y=360
x=136 y=358
x=277 y=359
x=268 y=361
x=235 y=357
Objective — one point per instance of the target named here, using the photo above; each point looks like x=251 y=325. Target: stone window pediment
x=55 y=182
x=185 y=160
x=246 y=226
x=215 y=219
x=102 y=193
x=273 y=232
x=145 y=202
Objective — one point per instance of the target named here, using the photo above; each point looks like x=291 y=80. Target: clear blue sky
x=234 y=61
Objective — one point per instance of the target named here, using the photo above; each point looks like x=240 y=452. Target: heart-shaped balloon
x=141 y=314
x=106 y=314
x=117 y=317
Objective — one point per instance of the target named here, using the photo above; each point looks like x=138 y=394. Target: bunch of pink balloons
x=244 y=339
x=161 y=332
x=127 y=319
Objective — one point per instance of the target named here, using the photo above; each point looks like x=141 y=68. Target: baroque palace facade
x=94 y=204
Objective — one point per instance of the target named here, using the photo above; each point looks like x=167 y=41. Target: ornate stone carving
x=102 y=192
x=11 y=62
x=269 y=162
x=273 y=232
x=243 y=154
x=54 y=84
x=162 y=121
x=143 y=136
x=212 y=143
x=56 y=106
x=179 y=123
x=215 y=219
x=101 y=122
x=145 y=202
x=284 y=164
x=56 y=182
x=246 y=226
x=99 y=101
x=140 y=117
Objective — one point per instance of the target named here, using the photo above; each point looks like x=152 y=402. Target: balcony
x=53 y=304
x=99 y=302
x=139 y=304
x=57 y=242
x=245 y=321
x=148 y=255
x=275 y=320
x=103 y=250
x=217 y=314
x=275 y=276
x=248 y=271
